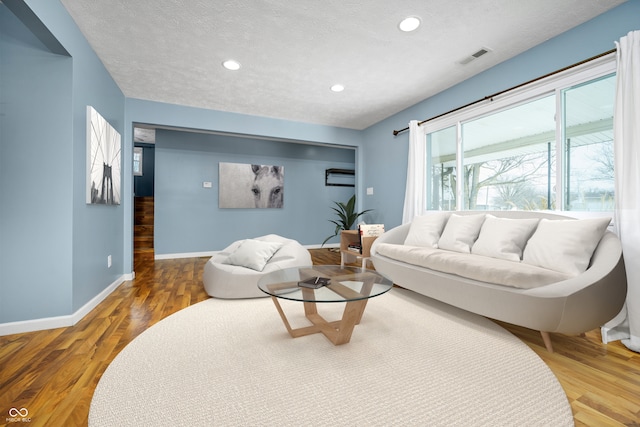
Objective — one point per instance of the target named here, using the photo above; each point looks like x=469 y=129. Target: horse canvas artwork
x=267 y=186
x=251 y=186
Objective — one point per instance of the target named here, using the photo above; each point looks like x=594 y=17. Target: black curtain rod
x=396 y=132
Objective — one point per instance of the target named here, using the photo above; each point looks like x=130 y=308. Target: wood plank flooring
x=53 y=373
x=143 y=223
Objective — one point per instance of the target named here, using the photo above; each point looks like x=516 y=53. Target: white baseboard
x=186 y=255
x=93 y=303
x=212 y=253
x=329 y=246
x=70 y=320
x=34 y=325
x=61 y=321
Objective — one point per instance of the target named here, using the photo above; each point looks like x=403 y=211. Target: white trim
x=185 y=255
x=212 y=253
x=580 y=74
x=33 y=325
x=559 y=192
x=460 y=202
x=329 y=246
x=551 y=85
x=93 y=303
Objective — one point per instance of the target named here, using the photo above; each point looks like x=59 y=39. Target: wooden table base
x=338 y=332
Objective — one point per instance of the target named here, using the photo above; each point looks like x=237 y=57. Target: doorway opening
x=143 y=197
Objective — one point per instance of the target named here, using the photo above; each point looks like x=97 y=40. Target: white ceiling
x=292 y=52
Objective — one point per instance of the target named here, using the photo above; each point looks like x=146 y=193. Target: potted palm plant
x=346 y=216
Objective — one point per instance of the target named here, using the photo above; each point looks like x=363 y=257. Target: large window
x=441 y=164
x=548 y=146
x=588 y=139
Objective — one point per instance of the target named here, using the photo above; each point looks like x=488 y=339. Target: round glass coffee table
x=325 y=284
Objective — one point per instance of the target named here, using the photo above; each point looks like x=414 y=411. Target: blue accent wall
x=386 y=152
x=188 y=217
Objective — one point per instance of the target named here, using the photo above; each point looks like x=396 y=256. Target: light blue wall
x=35 y=175
x=54 y=246
x=384 y=152
x=188 y=218
x=259 y=131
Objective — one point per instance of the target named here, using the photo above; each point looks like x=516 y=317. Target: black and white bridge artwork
x=103 y=160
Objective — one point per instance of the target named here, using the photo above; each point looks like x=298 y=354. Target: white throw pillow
x=504 y=238
x=253 y=254
x=565 y=245
x=425 y=230
x=460 y=232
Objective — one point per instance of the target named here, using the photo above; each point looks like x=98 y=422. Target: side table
x=348 y=237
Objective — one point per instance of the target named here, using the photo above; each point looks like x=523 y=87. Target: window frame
x=140 y=151
x=553 y=84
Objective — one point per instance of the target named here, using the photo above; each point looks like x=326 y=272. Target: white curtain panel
x=626 y=131
x=414 y=196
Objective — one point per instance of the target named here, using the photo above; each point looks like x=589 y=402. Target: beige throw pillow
x=461 y=232
x=504 y=238
x=565 y=245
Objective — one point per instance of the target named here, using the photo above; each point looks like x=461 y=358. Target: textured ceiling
x=292 y=52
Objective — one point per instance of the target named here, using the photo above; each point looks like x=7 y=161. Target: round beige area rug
x=412 y=361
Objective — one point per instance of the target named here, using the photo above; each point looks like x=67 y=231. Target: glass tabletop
x=324 y=283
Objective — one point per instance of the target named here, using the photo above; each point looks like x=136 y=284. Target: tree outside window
x=510 y=157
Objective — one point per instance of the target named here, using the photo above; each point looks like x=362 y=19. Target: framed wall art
x=243 y=185
x=103 y=160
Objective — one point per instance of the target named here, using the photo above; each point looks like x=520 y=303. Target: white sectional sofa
x=539 y=270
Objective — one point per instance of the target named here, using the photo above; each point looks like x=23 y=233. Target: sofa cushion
x=425 y=230
x=504 y=238
x=461 y=232
x=253 y=254
x=497 y=271
x=476 y=267
x=565 y=245
x=415 y=255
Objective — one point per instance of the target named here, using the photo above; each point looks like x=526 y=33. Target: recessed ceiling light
x=337 y=88
x=232 y=65
x=409 y=23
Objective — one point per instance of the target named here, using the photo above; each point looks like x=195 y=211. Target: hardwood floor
x=143 y=223
x=53 y=373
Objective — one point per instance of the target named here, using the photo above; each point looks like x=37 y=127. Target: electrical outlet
x=369 y=191
x=108 y=261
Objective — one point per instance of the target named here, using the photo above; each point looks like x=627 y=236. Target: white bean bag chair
x=235 y=271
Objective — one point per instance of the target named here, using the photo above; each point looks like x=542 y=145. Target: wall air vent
x=475 y=55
